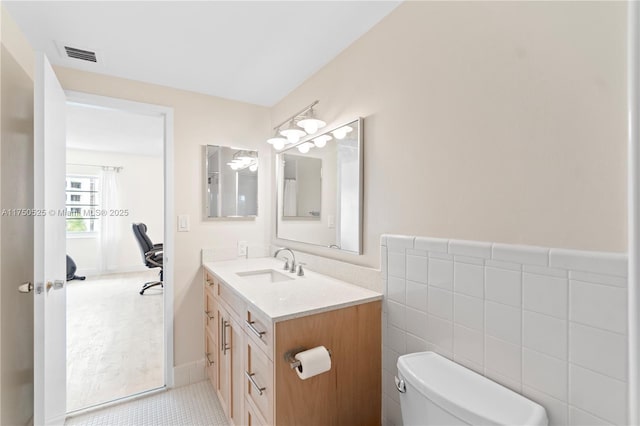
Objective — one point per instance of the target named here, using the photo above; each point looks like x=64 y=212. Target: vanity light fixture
x=291 y=128
x=341 y=133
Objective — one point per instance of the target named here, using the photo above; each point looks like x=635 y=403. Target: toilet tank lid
x=466 y=394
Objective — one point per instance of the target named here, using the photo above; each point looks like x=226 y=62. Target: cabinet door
x=230 y=363
x=251 y=416
x=211 y=362
x=236 y=341
x=223 y=322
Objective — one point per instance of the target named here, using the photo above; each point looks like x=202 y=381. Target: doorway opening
x=117 y=338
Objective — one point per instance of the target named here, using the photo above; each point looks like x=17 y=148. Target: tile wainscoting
x=550 y=324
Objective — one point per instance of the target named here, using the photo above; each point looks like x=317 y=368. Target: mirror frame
x=205 y=174
x=279 y=171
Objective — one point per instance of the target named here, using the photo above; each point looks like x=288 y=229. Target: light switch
x=183 y=223
x=331 y=219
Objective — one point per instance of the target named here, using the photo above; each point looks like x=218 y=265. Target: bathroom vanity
x=256 y=314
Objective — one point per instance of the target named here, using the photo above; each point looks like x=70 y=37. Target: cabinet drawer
x=259 y=380
x=209 y=281
x=210 y=357
x=231 y=299
x=210 y=311
x=259 y=328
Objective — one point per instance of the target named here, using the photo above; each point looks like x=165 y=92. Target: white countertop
x=301 y=296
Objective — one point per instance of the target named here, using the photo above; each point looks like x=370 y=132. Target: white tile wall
x=548 y=323
x=544 y=334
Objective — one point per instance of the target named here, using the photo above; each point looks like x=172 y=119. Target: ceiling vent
x=83 y=55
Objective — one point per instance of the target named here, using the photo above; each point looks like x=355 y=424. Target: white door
x=49 y=250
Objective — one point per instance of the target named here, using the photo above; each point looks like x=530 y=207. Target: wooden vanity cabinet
x=223 y=346
x=256 y=386
x=348 y=394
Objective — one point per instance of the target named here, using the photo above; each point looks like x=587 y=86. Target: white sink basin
x=265 y=276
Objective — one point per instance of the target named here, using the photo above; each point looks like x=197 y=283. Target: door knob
x=25 y=287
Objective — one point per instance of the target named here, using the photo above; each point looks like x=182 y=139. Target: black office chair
x=151 y=253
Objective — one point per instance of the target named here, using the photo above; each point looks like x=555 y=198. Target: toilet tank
x=436 y=391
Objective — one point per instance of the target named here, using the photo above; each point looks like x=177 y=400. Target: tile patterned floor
x=114 y=338
x=192 y=405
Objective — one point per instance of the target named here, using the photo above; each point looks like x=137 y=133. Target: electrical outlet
x=242 y=248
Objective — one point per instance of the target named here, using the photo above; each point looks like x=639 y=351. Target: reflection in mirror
x=302 y=187
x=231 y=182
x=320 y=189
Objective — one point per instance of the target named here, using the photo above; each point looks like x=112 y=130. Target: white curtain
x=108 y=222
x=290 y=198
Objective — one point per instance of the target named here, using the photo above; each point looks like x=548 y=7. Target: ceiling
x=109 y=130
x=251 y=51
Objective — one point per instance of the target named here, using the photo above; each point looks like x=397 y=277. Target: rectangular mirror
x=231 y=182
x=320 y=189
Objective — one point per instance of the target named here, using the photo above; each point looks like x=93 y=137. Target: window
x=83 y=195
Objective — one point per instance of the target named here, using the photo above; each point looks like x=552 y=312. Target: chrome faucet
x=293 y=259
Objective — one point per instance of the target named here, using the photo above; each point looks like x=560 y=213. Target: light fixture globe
x=280 y=144
x=341 y=133
x=305 y=147
x=321 y=141
x=292 y=133
x=277 y=142
x=310 y=123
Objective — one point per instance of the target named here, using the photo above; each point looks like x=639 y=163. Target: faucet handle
x=286 y=264
x=300 y=270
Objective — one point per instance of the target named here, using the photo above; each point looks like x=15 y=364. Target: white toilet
x=436 y=391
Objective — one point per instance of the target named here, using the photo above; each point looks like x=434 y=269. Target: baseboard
x=189 y=373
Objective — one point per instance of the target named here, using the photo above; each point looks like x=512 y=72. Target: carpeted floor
x=114 y=338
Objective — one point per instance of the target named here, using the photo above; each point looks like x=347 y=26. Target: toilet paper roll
x=313 y=362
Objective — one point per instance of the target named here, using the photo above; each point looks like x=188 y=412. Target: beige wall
x=491 y=121
x=198 y=120
x=16 y=244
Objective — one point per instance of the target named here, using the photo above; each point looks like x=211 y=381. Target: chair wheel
x=141 y=292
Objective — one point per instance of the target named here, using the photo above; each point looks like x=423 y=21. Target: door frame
x=169 y=222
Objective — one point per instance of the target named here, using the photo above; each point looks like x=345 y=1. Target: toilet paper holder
x=290 y=356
